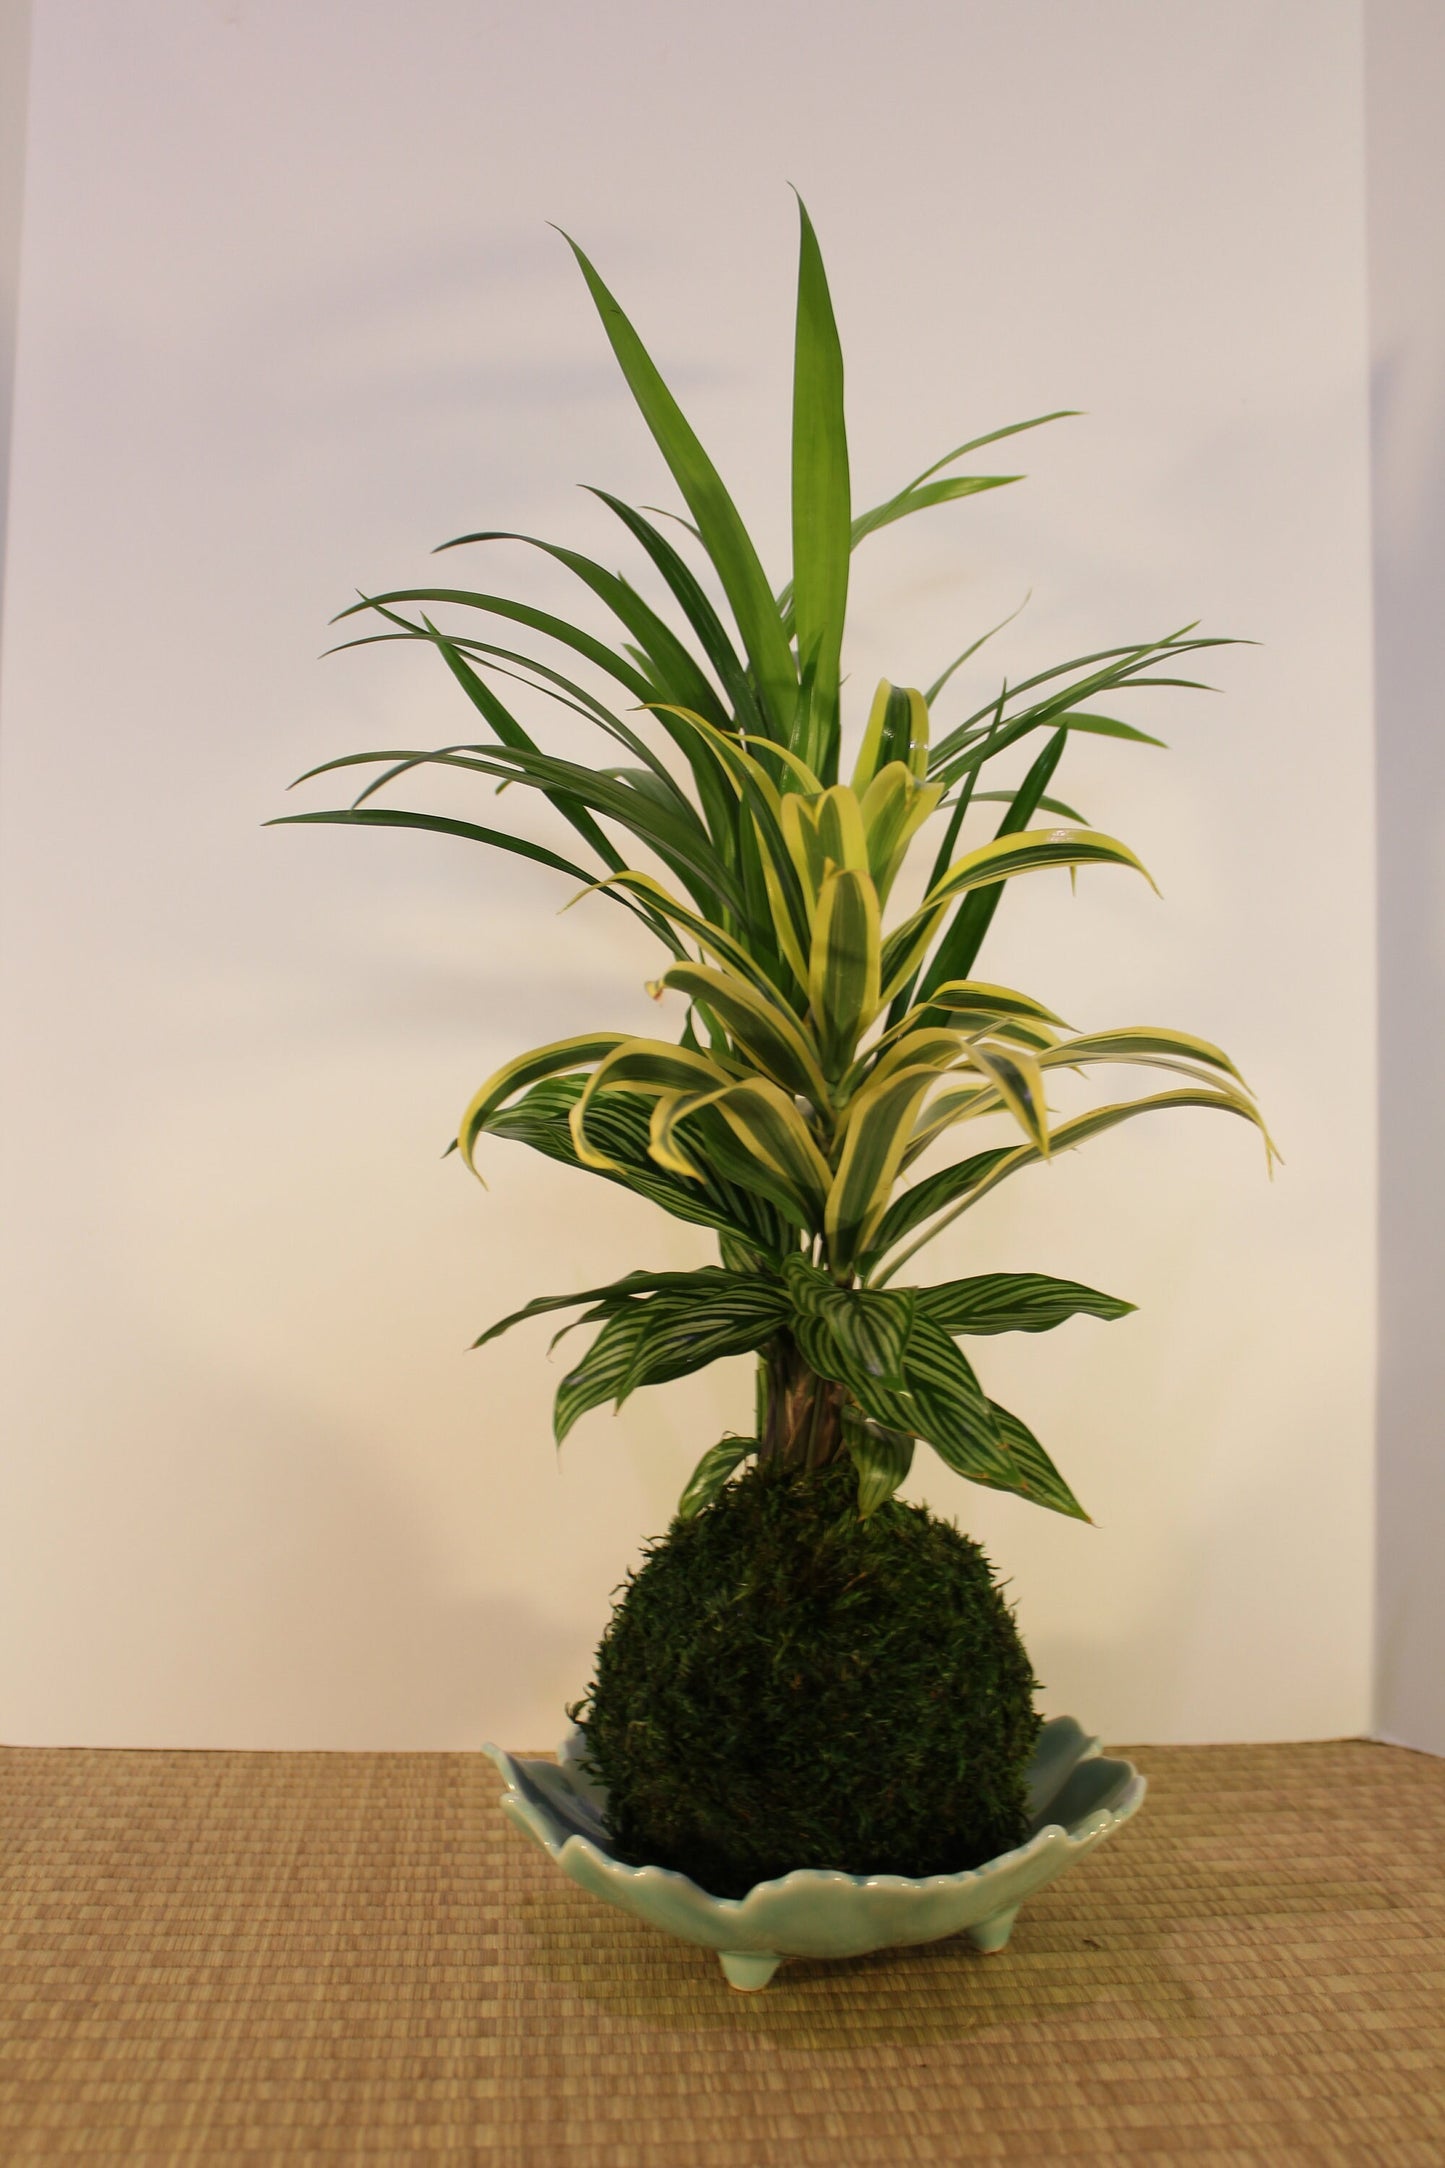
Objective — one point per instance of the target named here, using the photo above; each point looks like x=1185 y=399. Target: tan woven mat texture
x=333 y=1957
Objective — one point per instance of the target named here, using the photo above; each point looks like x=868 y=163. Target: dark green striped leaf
x=654 y=1338
x=1032 y=1474
x=881 y=1456
x=951 y=1411
x=866 y=1332
x=618 y=1294
x=712 y=1472
x=1013 y=1302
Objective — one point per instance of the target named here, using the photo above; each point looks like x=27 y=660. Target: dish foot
x=993 y=1934
x=748 y=1969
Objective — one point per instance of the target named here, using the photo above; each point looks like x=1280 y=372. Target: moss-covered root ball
x=783 y=1685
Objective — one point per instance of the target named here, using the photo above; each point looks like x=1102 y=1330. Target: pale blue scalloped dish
x=1077 y=1797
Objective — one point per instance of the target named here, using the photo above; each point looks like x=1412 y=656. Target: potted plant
x=812 y=1700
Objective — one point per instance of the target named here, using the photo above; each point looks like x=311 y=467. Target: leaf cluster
x=825 y=1043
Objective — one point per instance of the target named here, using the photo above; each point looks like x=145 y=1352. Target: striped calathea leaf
x=819 y=1044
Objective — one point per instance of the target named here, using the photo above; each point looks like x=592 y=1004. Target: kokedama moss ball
x=783 y=1685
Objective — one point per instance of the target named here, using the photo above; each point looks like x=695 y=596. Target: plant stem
x=802 y=1422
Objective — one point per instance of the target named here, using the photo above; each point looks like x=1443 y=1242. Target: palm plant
x=825 y=1045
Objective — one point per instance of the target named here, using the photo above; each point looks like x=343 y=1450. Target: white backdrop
x=290 y=314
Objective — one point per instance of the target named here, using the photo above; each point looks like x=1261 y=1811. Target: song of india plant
x=819 y=1048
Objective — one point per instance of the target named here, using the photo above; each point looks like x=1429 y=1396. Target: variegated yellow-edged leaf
x=894 y=807
x=764 y=1028
x=823 y=830
x=917 y=755
x=1017 y=1078
x=880 y=1122
x=785 y=927
x=897 y=729
x=732 y=755
x=618 y=1123
x=1139 y=1042
x=514 y=1076
x=871 y=756
x=792 y=764
x=1038 y=1038
x=843 y=992
x=779 y=1147
x=1004 y=859
x=936 y=1049
x=648 y=1066
x=787 y=903
x=800 y=833
x=980 y=994
x=1077 y=1131
x=973 y=1006
x=715 y=940
x=960 y=1103
x=838 y=819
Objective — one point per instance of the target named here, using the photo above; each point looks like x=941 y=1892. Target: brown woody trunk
x=802 y=1424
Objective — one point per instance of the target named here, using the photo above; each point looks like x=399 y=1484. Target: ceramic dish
x=1077 y=1797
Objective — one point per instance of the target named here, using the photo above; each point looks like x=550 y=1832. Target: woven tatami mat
x=292 y=1957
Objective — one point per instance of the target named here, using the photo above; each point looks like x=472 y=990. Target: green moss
x=785 y=1685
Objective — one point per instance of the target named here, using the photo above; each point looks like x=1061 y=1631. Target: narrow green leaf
x=723 y=534
x=711 y=632
x=556 y=628
x=1104 y=726
x=394 y=817
x=821 y=513
x=923 y=497
x=672 y=667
